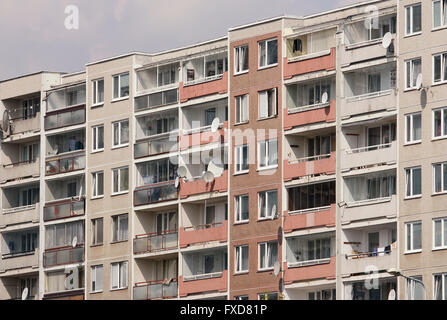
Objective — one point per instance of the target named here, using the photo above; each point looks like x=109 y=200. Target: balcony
x=196 y=187
x=313 y=62
x=22 y=125
x=19 y=215
x=309 y=270
x=63 y=256
x=201 y=136
x=164 y=191
x=65 y=117
x=158 y=145
x=153 y=290
x=19 y=261
x=64 y=209
x=298 y=116
x=204 y=233
x=203 y=87
x=157 y=99
x=155 y=242
x=370 y=209
x=309 y=218
x=315 y=165
x=216 y=281
x=20 y=170
x=368 y=156
x=358 y=263
x=65 y=164
x=369 y=102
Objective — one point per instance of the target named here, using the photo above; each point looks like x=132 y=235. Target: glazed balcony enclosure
x=66 y=208
x=364 y=44
x=19 y=161
x=310 y=52
x=55 y=284
x=24 y=114
x=369 y=89
x=205 y=75
x=20 y=205
x=203 y=222
x=157 y=86
x=19 y=249
x=369 y=196
x=156 y=134
x=373 y=245
x=155 y=242
x=204 y=271
x=65 y=107
x=369 y=145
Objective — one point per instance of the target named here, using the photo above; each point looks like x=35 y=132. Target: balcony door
x=166 y=222
x=373 y=241
x=210 y=215
x=210 y=115
x=30 y=152
x=209 y=264
x=29 y=197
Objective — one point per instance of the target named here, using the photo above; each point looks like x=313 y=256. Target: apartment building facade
x=295 y=158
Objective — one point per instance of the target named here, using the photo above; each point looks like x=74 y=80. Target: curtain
x=115 y=275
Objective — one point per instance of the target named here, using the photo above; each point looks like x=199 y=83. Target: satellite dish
x=5 y=122
x=387 y=39
x=177 y=182
x=392 y=295
x=215 y=125
x=74 y=242
x=216 y=168
x=324 y=97
x=182 y=171
x=274 y=211
x=276 y=268
x=419 y=81
x=25 y=294
x=208 y=177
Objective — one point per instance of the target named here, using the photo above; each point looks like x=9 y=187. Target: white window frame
x=119 y=144
x=267 y=153
x=267 y=253
x=95 y=194
x=238 y=208
x=268 y=215
x=443 y=57
x=94 y=279
x=120 y=265
x=119 y=86
x=238 y=257
x=265 y=94
x=241 y=99
x=117 y=224
x=266 y=53
x=95 y=232
x=412 y=250
x=444 y=283
x=236 y=64
x=409 y=72
x=443 y=128
x=411 y=22
x=119 y=180
x=442 y=15
x=95 y=135
x=95 y=92
x=442 y=164
x=411 y=284
x=412 y=140
x=411 y=196
x=443 y=238
x=239 y=159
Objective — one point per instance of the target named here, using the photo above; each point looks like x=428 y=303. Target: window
x=31 y=284
x=413 y=233
x=268 y=255
x=120 y=227
x=439 y=177
x=242 y=109
x=440 y=233
x=241 y=208
x=328 y=294
x=97 y=231
x=119 y=275
x=414 y=289
x=241 y=59
x=120 y=180
x=268 y=296
x=440 y=289
x=268 y=53
x=241 y=159
x=311 y=196
x=267 y=104
x=412 y=69
x=413 y=127
x=267 y=201
x=98 y=184
x=121 y=133
x=97 y=278
x=29 y=196
x=98 y=138
x=318 y=146
x=267 y=154
x=440 y=123
x=62 y=234
x=413 y=19
x=413 y=185
x=244 y=297
x=31 y=107
x=439 y=13
x=121 y=86
x=241 y=259
x=440 y=68
x=98 y=92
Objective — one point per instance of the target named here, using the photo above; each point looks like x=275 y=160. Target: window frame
x=239 y=159
x=119 y=180
x=267 y=153
x=443 y=245
x=268 y=215
x=116 y=225
x=238 y=208
x=442 y=164
x=95 y=232
x=94 y=280
x=442 y=66
x=95 y=92
x=444 y=283
x=412 y=249
x=95 y=194
x=236 y=49
x=266 y=41
x=411 y=169
x=119 y=76
x=412 y=32
x=412 y=140
x=238 y=251
x=267 y=245
x=120 y=144
x=247 y=111
x=443 y=111
x=95 y=135
x=120 y=265
x=409 y=67
x=275 y=100
x=441 y=26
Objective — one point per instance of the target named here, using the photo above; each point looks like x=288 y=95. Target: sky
x=33 y=36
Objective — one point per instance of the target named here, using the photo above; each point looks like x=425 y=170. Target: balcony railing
x=295 y=117
x=369 y=148
x=203 y=276
x=61 y=256
x=309 y=270
x=20 y=260
x=12 y=171
x=157 y=241
x=17 y=215
x=359 y=262
x=369 y=95
x=25 y=124
x=309 y=218
x=308 y=107
x=299 y=264
x=164 y=191
x=158 y=289
x=64 y=209
x=155 y=146
x=65 y=117
x=307 y=159
x=19 y=209
x=65 y=164
x=314 y=165
x=204 y=233
x=156 y=99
